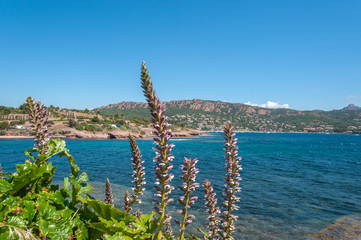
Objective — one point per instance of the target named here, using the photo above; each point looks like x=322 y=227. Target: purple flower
x=108 y=193
x=232 y=179
x=189 y=176
x=138 y=174
x=213 y=211
x=163 y=157
x=39 y=120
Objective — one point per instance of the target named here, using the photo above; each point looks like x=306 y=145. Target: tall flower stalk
x=189 y=176
x=138 y=174
x=108 y=193
x=212 y=210
x=163 y=157
x=39 y=120
x=232 y=179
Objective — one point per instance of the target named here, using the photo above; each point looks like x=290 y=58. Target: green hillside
x=211 y=115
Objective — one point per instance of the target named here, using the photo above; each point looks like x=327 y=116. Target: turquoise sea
x=293 y=184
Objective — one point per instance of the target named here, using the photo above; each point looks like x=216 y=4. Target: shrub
x=95 y=119
x=79 y=127
x=4 y=125
x=71 y=123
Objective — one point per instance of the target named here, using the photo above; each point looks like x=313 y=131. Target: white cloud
x=269 y=104
x=353 y=97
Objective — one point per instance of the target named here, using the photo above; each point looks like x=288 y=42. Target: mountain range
x=211 y=116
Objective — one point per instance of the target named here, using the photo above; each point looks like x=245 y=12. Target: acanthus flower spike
x=232 y=179
x=189 y=176
x=108 y=193
x=138 y=173
x=163 y=157
x=39 y=120
x=212 y=210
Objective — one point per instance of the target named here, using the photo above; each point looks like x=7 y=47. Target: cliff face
x=211 y=115
x=124 y=105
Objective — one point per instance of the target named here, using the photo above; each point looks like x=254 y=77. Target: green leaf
x=55 y=146
x=47 y=211
x=66 y=183
x=15 y=221
x=58 y=230
x=65 y=191
x=97 y=229
x=79 y=187
x=58 y=198
x=146 y=223
x=29 y=211
x=5 y=186
x=107 y=211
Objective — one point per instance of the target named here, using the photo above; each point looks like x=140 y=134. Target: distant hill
x=211 y=115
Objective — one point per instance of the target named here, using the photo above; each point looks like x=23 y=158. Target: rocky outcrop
x=191 y=133
x=344 y=228
x=117 y=134
x=352 y=107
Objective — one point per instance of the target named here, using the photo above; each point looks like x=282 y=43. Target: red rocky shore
x=70 y=133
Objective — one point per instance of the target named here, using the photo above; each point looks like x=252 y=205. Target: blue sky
x=84 y=54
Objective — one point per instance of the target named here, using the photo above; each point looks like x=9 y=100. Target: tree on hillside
x=4 y=125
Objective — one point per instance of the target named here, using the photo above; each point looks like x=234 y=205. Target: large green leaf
x=55 y=146
x=107 y=211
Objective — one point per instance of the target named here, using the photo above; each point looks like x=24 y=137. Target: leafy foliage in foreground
x=32 y=207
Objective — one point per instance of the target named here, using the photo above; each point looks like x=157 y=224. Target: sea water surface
x=293 y=184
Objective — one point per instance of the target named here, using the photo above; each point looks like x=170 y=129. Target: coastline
x=116 y=134
x=124 y=134
x=15 y=137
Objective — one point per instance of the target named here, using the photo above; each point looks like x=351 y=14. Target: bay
x=293 y=184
